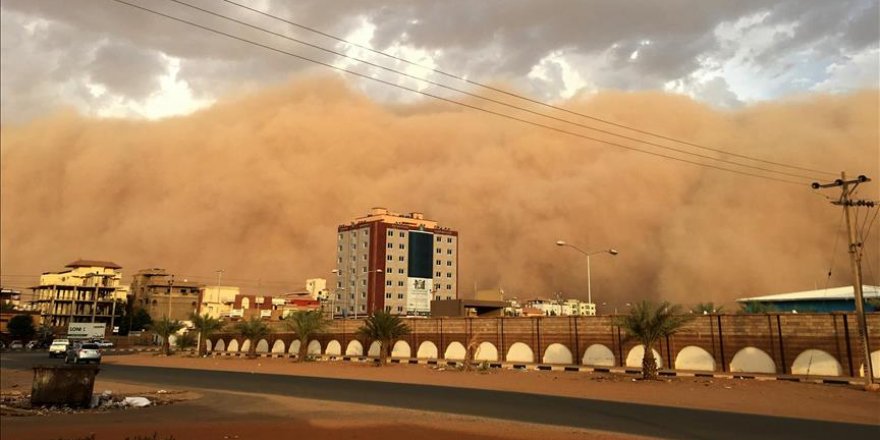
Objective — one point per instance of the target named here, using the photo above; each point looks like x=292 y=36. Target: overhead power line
x=519 y=96
x=452 y=101
x=478 y=96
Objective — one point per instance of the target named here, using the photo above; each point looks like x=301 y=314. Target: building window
x=449 y=251
x=438 y=250
x=401 y=246
x=339 y=284
x=340 y=248
x=437 y=274
x=449 y=287
x=388 y=309
x=400 y=270
x=365 y=244
x=388 y=283
x=449 y=262
x=438 y=239
x=363 y=282
x=449 y=240
x=399 y=296
x=448 y=296
x=400 y=283
x=363 y=307
x=389 y=258
x=389 y=246
x=388 y=270
x=399 y=308
x=401 y=235
x=338 y=309
x=340 y=236
x=390 y=233
x=339 y=259
x=388 y=294
x=448 y=274
x=400 y=258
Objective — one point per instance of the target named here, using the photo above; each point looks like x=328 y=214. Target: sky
x=133 y=138
x=108 y=59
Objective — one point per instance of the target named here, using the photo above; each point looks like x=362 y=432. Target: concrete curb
x=571 y=368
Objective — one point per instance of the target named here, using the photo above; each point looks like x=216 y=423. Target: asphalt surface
x=630 y=418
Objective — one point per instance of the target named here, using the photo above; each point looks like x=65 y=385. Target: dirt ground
x=226 y=415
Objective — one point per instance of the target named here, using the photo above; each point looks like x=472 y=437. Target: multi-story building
x=88 y=291
x=562 y=307
x=394 y=262
x=161 y=295
x=261 y=306
x=10 y=298
x=217 y=301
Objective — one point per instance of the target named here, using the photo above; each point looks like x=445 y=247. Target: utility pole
x=855 y=257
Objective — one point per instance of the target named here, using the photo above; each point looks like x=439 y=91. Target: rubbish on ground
x=137 y=402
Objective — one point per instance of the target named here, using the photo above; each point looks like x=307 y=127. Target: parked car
x=59 y=347
x=87 y=352
x=16 y=345
x=103 y=343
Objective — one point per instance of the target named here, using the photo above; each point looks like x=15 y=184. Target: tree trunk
x=383 y=354
x=303 y=350
x=202 y=345
x=168 y=345
x=649 y=364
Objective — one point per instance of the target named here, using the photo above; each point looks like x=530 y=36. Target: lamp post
x=355 y=290
x=588 y=254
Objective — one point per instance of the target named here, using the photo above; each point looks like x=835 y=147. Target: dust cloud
x=256 y=185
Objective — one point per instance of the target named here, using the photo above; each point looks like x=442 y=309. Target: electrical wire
x=494 y=101
x=449 y=100
x=833 y=249
x=518 y=96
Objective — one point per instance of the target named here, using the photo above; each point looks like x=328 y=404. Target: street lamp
x=588 y=254
x=355 y=290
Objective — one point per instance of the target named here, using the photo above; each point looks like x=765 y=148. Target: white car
x=58 y=347
x=87 y=352
x=103 y=343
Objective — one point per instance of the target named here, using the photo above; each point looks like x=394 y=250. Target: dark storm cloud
x=485 y=40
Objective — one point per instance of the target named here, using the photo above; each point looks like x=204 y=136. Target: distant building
x=10 y=298
x=837 y=299
x=394 y=262
x=561 y=307
x=260 y=306
x=467 y=307
x=317 y=288
x=163 y=295
x=86 y=292
x=217 y=301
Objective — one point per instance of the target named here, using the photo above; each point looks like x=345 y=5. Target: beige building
x=394 y=262
x=218 y=301
x=88 y=291
x=161 y=295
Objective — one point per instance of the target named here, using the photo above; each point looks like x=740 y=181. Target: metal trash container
x=70 y=385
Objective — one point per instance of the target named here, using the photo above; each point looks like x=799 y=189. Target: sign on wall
x=418 y=295
x=86 y=330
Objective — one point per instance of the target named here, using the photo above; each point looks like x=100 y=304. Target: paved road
x=631 y=418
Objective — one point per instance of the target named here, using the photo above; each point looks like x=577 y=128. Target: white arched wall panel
x=334 y=348
x=294 y=346
x=401 y=349
x=375 y=347
x=233 y=346
x=486 y=352
x=816 y=363
x=875 y=364
x=262 y=346
x=427 y=350
x=558 y=354
x=752 y=360
x=637 y=354
x=598 y=355
x=694 y=358
x=314 y=347
x=354 y=348
x=455 y=352
x=278 y=346
x=220 y=346
x=520 y=352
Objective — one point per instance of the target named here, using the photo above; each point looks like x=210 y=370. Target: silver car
x=88 y=352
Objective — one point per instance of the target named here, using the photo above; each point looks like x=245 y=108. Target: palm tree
x=383 y=327
x=253 y=329
x=755 y=307
x=165 y=328
x=206 y=326
x=305 y=324
x=647 y=322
